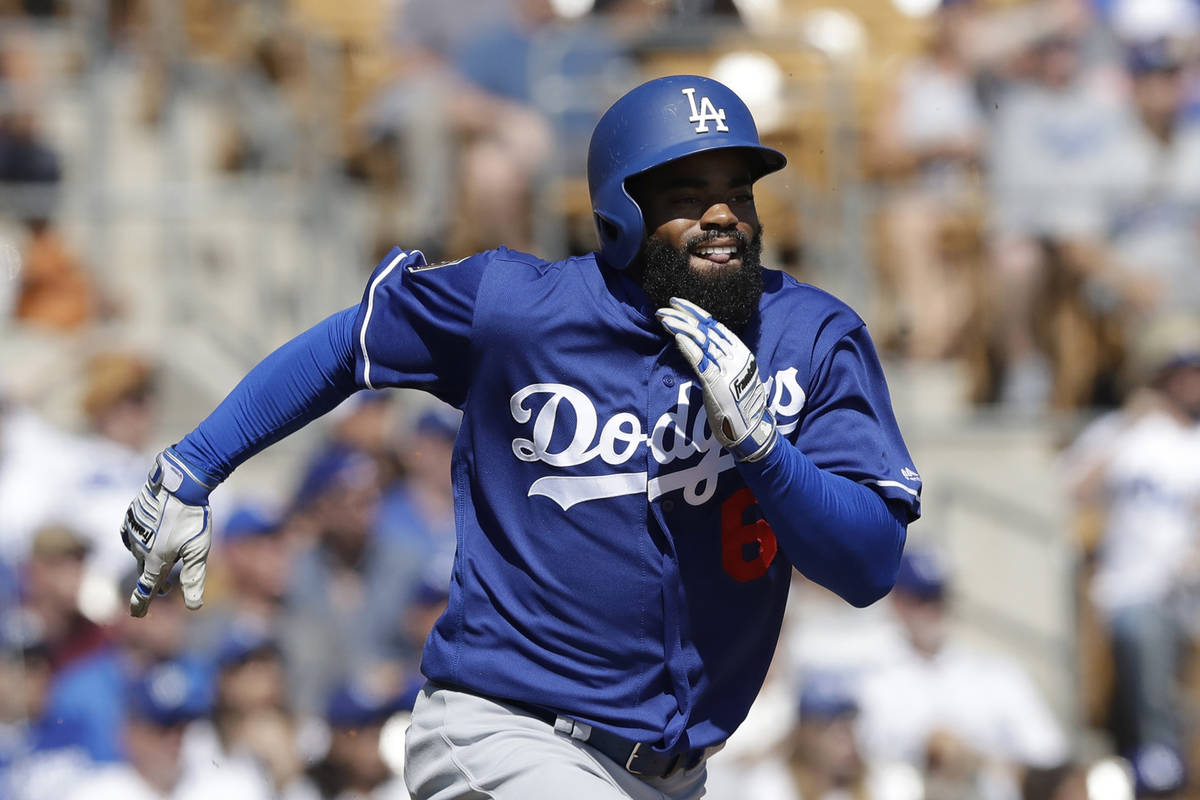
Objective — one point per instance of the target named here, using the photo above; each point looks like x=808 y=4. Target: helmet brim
x=763 y=160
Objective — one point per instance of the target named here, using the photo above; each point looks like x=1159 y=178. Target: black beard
x=730 y=295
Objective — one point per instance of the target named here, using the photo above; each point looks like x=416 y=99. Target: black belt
x=636 y=757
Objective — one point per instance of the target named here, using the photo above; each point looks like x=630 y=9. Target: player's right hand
x=734 y=396
x=168 y=521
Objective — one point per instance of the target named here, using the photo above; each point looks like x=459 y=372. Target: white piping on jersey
x=896 y=484
x=362 y=334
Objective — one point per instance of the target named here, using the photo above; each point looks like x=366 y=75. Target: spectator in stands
x=364 y=422
x=970 y=721
x=252 y=729
x=1048 y=164
x=1140 y=262
x=25 y=156
x=54 y=291
x=1140 y=469
x=1064 y=782
x=52 y=580
x=416 y=618
x=86 y=701
x=30 y=449
x=1139 y=20
x=416 y=519
x=819 y=759
x=354 y=766
x=417 y=511
x=255 y=572
x=333 y=627
x=36 y=761
x=473 y=154
x=264 y=105
x=568 y=71
x=9 y=594
x=119 y=398
x=120 y=406
x=1154 y=216
x=931 y=136
x=160 y=704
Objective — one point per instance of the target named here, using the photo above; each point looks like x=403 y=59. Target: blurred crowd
x=1048 y=205
x=1030 y=171
x=309 y=641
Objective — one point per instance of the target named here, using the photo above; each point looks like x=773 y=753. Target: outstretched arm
x=169 y=520
x=412 y=328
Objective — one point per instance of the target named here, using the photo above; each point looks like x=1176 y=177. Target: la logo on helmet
x=706 y=113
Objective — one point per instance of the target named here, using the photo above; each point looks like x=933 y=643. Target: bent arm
x=302 y=380
x=838 y=533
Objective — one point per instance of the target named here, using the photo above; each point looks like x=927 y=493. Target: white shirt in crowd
x=985 y=700
x=1154 y=209
x=821 y=633
x=30 y=451
x=44 y=774
x=123 y=782
x=1049 y=158
x=771 y=779
x=48 y=475
x=1152 y=487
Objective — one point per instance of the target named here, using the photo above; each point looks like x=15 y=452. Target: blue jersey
x=612 y=562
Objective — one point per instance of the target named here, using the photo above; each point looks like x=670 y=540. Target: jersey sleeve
x=414 y=324
x=849 y=427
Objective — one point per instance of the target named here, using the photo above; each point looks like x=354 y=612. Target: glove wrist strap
x=757 y=443
x=185 y=482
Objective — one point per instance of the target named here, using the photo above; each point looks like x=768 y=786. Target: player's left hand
x=734 y=395
x=168 y=521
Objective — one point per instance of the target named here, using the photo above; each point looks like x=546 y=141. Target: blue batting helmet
x=658 y=122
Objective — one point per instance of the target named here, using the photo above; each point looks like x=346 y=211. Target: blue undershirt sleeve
x=838 y=533
x=302 y=380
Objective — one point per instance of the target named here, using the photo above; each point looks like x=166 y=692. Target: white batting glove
x=168 y=521
x=734 y=395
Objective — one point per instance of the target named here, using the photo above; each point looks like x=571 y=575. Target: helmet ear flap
x=606 y=228
x=619 y=226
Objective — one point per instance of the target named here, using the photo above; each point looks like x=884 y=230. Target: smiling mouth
x=716 y=254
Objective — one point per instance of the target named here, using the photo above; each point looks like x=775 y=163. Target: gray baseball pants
x=464 y=747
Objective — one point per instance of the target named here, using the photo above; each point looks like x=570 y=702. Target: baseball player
x=654 y=435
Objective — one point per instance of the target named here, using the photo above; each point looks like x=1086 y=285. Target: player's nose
x=718 y=216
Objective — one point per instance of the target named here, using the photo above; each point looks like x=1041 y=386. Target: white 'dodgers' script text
x=616 y=440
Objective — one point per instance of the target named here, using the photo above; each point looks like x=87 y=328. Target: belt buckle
x=675 y=763
x=633 y=756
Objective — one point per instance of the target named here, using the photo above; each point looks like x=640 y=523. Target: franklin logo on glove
x=140 y=531
x=748 y=377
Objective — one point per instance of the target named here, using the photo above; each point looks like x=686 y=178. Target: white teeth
x=712 y=251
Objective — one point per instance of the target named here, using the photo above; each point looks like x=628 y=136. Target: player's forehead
x=713 y=169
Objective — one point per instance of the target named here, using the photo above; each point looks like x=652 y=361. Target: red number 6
x=738 y=556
